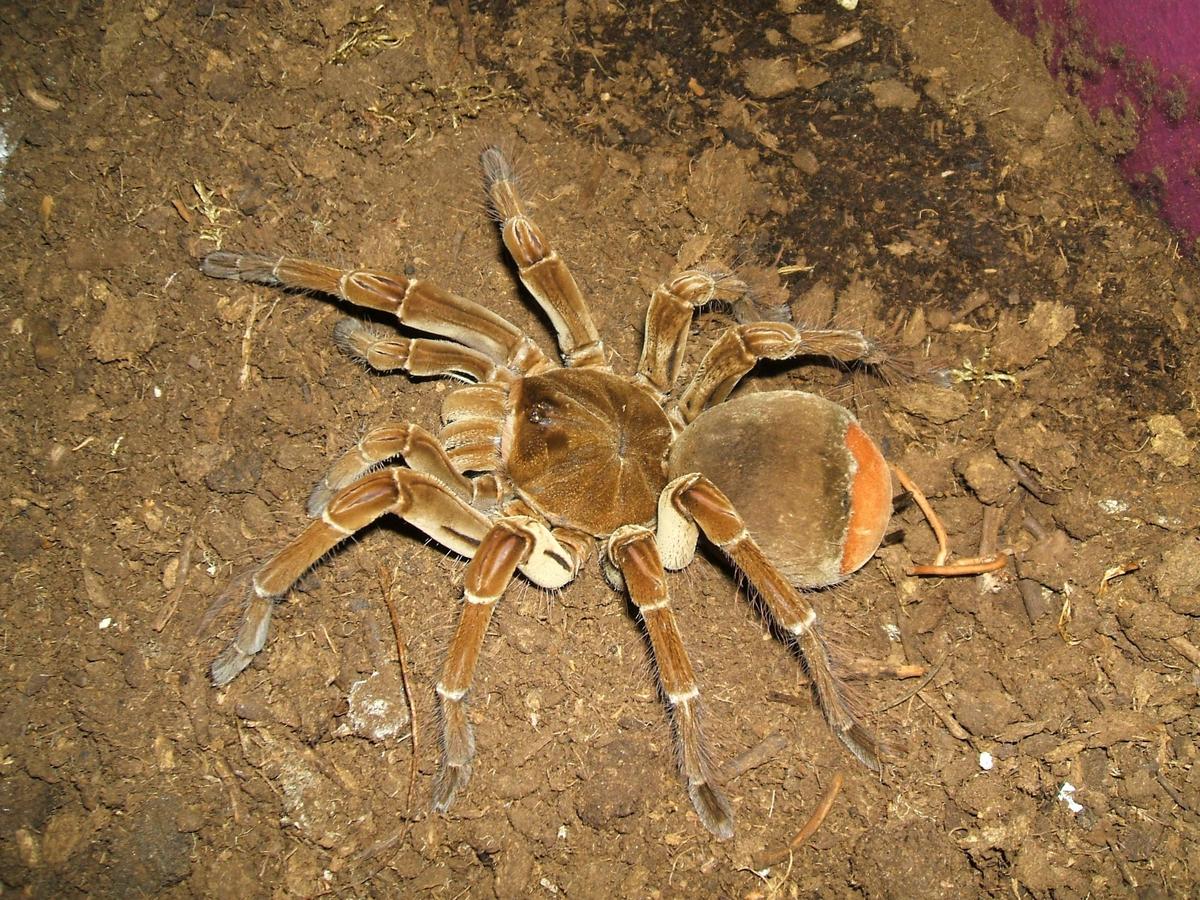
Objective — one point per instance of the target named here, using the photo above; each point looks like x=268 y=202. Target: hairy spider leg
x=633 y=551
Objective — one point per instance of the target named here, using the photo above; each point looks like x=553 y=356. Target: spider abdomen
x=586 y=448
x=813 y=488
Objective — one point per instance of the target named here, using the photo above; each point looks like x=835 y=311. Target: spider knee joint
x=805 y=625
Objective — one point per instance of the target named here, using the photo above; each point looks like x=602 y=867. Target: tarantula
x=536 y=462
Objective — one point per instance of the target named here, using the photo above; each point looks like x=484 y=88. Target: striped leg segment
x=417 y=356
x=417 y=304
x=473 y=444
x=632 y=550
x=737 y=351
x=543 y=271
x=486 y=579
x=420 y=499
x=697 y=501
x=669 y=318
x=511 y=543
x=418 y=448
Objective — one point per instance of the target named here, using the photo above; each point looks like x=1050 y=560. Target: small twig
x=963 y=567
x=1064 y=616
x=248 y=342
x=859 y=670
x=1032 y=595
x=941 y=709
x=386 y=844
x=989 y=541
x=181 y=574
x=385 y=584
x=789 y=699
x=768 y=858
x=762 y=752
x=1034 y=527
x=1185 y=648
x=920 y=687
x=1027 y=481
x=868 y=669
x=227 y=778
x=930 y=516
x=1122 y=865
x=989 y=533
x=1175 y=793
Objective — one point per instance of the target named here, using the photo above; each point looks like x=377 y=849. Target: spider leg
x=741 y=346
x=417 y=304
x=509 y=543
x=481 y=405
x=478 y=405
x=693 y=500
x=473 y=445
x=542 y=270
x=418 y=356
x=633 y=551
x=418 y=448
x=669 y=317
x=420 y=499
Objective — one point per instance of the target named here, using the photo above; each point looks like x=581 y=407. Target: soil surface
x=907 y=169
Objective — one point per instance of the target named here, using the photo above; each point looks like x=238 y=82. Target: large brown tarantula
x=537 y=461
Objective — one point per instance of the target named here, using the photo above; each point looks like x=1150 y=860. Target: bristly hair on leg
x=254 y=267
x=238 y=585
x=355 y=337
x=836 y=701
x=496 y=166
x=251 y=637
x=695 y=762
x=891 y=365
x=500 y=166
x=765 y=299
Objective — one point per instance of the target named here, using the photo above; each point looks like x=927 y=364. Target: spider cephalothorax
x=535 y=462
x=586 y=449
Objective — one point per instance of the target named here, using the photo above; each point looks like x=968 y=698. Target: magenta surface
x=1143 y=57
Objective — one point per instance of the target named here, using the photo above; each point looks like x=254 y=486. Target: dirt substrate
x=906 y=169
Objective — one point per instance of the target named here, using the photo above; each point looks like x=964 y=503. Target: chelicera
x=536 y=463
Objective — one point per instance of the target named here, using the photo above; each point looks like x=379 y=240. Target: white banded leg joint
x=802 y=627
x=447 y=694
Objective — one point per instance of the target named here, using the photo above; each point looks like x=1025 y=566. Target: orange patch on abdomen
x=870 y=500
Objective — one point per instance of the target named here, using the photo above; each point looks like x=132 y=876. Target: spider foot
x=863 y=744
x=450 y=778
x=714 y=810
x=458 y=749
x=229 y=664
x=241 y=266
x=353 y=338
x=251 y=637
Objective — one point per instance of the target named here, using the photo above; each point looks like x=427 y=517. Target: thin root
x=940 y=567
x=930 y=516
x=385 y=584
x=768 y=858
x=1186 y=648
x=963 y=567
x=181 y=574
x=763 y=752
